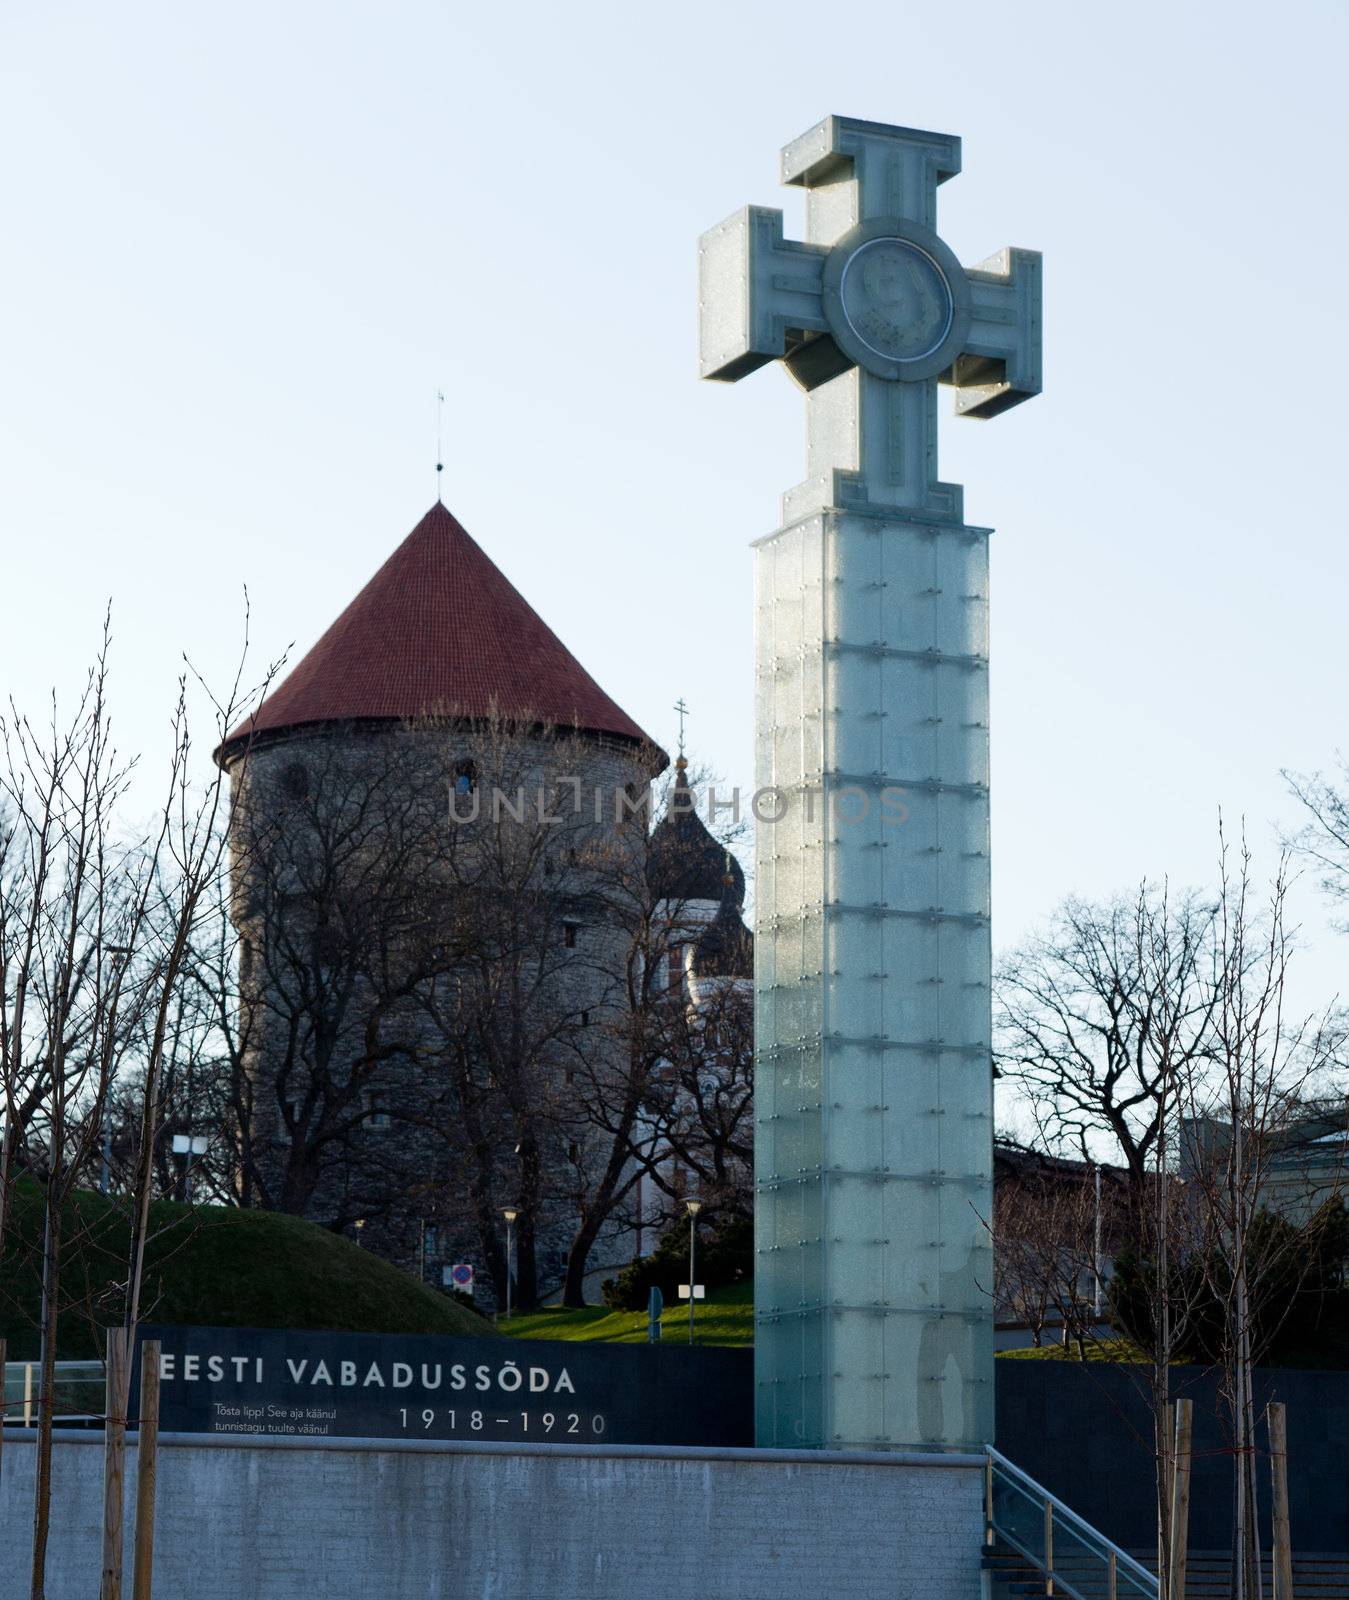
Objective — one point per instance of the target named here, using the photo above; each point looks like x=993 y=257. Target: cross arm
x=894 y=171
x=1001 y=362
x=759 y=295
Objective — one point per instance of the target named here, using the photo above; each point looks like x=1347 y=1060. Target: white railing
x=1072 y=1558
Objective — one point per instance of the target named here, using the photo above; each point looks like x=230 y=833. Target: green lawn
x=214 y=1266
x=1113 y=1350
x=726 y=1317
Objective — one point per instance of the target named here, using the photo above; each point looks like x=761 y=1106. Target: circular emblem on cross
x=896 y=299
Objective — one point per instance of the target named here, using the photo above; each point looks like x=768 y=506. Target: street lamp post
x=186 y=1145
x=510 y=1214
x=693 y=1207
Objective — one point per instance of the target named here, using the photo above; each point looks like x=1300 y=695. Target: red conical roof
x=439 y=631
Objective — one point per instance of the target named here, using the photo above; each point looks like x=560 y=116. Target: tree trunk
x=118 y=1388
x=492 y=1246
x=1163 y=1434
x=526 y=1250
x=583 y=1241
x=42 y=1470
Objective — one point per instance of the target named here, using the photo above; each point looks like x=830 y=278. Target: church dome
x=725 y=948
x=439 y=631
x=686 y=862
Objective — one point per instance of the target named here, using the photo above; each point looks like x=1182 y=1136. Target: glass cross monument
x=873 y=1086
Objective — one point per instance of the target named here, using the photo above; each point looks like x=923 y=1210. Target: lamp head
x=510 y=1213
x=693 y=1207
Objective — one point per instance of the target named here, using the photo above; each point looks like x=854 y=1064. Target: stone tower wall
x=351 y=827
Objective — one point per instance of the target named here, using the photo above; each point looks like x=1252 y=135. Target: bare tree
x=618 y=1121
x=90 y=965
x=1162 y=1030
x=341 y=925
x=552 y=1038
x=452 y=997
x=1096 y=1019
x=704 y=1097
x=1052 y=1222
x=1263 y=1065
x=1100 y=1025
x=72 y=899
x=1323 y=840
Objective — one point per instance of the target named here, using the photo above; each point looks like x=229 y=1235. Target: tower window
x=295 y=780
x=569 y=935
x=376 y=1113
x=465 y=777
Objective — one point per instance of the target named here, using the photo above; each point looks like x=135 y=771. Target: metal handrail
x=1112 y=1557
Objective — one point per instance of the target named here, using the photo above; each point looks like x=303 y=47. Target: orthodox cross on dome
x=683 y=711
x=872 y=297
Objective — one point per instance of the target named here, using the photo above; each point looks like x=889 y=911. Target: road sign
x=459 y=1276
x=699 y=1291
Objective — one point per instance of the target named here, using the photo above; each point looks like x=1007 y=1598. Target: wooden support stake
x=1049 y=1547
x=114 y=1464
x=1276 y=1419
x=1180 y=1498
x=1111 y=1576
x=1165 y=1444
x=147 y=1466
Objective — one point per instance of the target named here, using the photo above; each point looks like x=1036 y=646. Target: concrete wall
x=1085 y=1434
x=243 y=1519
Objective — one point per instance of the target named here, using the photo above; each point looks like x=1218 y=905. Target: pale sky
x=246 y=245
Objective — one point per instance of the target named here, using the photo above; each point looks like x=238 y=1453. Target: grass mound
x=1116 y=1350
x=726 y=1317
x=214 y=1266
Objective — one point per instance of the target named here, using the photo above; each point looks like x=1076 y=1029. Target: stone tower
x=351 y=877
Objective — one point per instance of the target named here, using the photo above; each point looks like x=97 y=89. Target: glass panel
x=79 y=1390
x=1081 y=1555
x=1081 y=1562
x=1128 y=1587
x=1018 y=1516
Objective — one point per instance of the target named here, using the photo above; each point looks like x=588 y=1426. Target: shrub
x=725 y=1255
